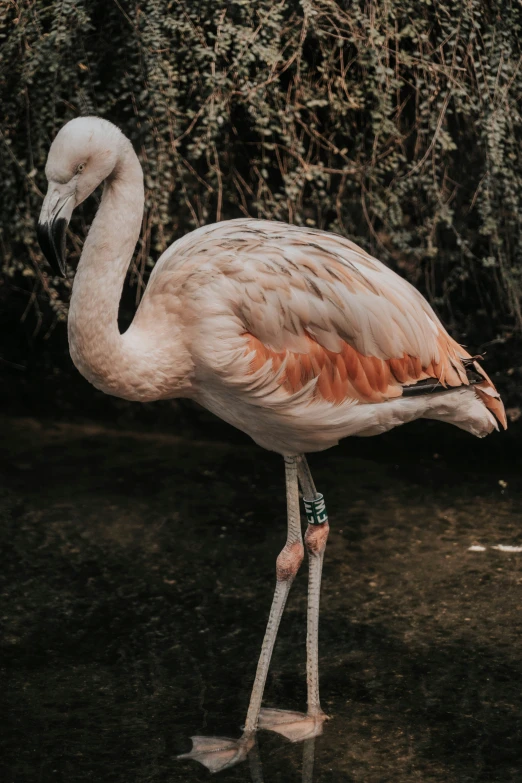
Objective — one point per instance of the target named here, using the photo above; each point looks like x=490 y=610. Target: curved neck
x=117 y=364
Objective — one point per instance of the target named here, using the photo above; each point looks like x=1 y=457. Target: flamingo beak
x=52 y=224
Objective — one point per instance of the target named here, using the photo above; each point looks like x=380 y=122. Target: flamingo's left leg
x=297 y=726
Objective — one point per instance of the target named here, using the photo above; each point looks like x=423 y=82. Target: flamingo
x=296 y=336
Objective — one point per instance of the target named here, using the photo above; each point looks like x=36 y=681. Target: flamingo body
x=299 y=338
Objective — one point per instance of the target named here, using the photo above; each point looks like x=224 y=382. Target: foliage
x=395 y=122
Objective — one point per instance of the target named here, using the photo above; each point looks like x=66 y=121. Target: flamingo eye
x=80 y=168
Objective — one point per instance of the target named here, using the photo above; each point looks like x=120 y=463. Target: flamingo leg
x=217 y=753
x=297 y=726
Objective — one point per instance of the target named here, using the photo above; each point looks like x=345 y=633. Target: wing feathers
x=349 y=375
x=310 y=313
x=340 y=376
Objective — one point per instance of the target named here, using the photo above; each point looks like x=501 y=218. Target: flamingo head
x=84 y=153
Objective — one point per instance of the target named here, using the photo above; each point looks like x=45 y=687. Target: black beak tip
x=51 y=238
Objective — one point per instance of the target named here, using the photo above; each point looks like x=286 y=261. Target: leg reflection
x=254 y=762
x=307 y=775
x=308 y=760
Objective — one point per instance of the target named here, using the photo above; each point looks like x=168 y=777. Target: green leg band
x=315 y=510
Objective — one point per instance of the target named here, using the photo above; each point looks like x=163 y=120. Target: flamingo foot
x=295 y=726
x=217 y=753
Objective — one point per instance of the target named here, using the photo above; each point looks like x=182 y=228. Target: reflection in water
x=307 y=774
x=254 y=762
x=308 y=760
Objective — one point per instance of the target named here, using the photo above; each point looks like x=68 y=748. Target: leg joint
x=316 y=537
x=289 y=560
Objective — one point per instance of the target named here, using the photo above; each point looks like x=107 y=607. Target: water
x=137 y=574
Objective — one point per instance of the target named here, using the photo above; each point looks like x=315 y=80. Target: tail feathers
x=489 y=396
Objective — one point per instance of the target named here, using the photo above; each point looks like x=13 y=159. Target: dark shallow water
x=137 y=573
